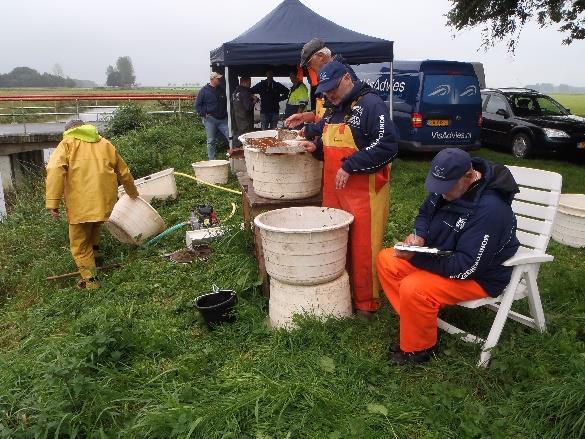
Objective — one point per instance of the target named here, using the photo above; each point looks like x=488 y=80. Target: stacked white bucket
x=281 y=176
x=569 y=224
x=305 y=252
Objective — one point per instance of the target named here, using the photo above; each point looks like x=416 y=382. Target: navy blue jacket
x=213 y=101
x=479 y=227
x=373 y=131
x=271 y=93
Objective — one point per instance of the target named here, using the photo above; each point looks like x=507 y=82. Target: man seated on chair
x=467 y=212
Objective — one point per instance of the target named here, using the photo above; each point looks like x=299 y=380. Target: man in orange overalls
x=468 y=215
x=357 y=143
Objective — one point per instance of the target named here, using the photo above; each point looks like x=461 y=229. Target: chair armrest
x=528 y=258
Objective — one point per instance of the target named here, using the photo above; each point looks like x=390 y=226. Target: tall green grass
x=134 y=360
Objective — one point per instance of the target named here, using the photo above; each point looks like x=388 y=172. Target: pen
x=414 y=233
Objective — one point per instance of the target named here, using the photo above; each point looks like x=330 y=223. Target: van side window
x=496 y=103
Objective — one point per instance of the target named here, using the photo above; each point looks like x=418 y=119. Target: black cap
x=309 y=49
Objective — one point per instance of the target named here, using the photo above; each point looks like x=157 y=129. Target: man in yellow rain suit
x=86 y=169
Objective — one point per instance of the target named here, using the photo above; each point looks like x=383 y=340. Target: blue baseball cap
x=329 y=76
x=448 y=166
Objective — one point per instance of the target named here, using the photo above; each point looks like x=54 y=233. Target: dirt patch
x=185 y=256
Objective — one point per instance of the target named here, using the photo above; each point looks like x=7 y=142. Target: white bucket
x=569 y=224
x=331 y=299
x=212 y=171
x=161 y=185
x=134 y=221
x=281 y=176
x=304 y=245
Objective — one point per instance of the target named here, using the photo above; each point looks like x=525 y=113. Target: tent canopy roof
x=277 y=39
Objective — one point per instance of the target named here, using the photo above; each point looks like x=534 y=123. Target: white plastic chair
x=535 y=207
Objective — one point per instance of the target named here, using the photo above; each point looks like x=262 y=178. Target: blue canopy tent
x=276 y=41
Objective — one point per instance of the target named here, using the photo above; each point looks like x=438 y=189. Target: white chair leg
x=501 y=317
x=533 y=296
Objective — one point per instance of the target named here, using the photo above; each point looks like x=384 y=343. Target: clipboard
x=418 y=249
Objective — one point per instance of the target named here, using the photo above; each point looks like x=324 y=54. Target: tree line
x=27 y=77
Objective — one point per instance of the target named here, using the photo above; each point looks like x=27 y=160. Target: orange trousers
x=417 y=295
x=82 y=238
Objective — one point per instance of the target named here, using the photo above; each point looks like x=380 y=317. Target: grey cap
x=309 y=49
x=73 y=123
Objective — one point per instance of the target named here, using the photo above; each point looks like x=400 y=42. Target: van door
x=450 y=106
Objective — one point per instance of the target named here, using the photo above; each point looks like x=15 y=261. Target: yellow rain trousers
x=86 y=169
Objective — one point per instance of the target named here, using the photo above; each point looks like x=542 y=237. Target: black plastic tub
x=217 y=307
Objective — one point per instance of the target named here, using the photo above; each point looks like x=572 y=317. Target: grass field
x=134 y=360
x=574 y=102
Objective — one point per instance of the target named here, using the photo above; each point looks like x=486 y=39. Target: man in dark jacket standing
x=271 y=93
x=211 y=105
x=243 y=109
x=357 y=141
x=468 y=214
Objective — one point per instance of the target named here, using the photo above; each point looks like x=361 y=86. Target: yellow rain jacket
x=86 y=168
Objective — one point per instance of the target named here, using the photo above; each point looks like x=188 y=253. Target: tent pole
x=391 y=95
x=229 y=105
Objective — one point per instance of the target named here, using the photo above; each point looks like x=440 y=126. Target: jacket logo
x=460 y=223
x=323 y=76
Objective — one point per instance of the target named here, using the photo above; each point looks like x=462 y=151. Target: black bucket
x=217 y=307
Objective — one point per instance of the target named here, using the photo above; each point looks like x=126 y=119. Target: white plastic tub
x=281 y=176
x=569 y=225
x=161 y=185
x=212 y=171
x=331 y=299
x=304 y=245
x=134 y=221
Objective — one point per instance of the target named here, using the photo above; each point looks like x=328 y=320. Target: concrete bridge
x=24 y=146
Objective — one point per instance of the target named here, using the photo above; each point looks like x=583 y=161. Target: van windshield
x=450 y=89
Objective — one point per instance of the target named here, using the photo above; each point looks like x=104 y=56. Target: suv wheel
x=521 y=146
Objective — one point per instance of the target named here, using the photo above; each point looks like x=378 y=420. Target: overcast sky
x=169 y=40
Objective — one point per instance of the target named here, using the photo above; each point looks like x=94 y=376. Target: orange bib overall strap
x=367 y=198
x=319 y=109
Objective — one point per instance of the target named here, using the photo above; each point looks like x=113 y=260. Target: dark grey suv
x=527 y=122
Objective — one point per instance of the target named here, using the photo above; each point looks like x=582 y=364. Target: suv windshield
x=536 y=105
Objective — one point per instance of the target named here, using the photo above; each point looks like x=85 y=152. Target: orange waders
x=367 y=198
x=417 y=295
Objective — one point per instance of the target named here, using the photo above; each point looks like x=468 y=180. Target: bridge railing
x=67 y=105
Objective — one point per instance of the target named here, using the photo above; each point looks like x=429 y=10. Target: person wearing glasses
x=313 y=57
x=357 y=141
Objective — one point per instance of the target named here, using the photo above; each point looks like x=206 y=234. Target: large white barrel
x=212 y=171
x=569 y=224
x=304 y=245
x=134 y=221
x=331 y=299
x=290 y=176
x=161 y=185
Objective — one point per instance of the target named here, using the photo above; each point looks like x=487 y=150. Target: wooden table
x=253 y=205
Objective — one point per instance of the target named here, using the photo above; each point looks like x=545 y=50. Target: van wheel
x=521 y=146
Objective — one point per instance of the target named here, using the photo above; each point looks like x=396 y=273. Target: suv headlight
x=552 y=133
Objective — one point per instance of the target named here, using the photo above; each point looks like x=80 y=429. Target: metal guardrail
x=24 y=113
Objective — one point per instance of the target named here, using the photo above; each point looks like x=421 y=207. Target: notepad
x=418 y=249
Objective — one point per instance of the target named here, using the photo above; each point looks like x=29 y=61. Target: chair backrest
x=535 y=205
